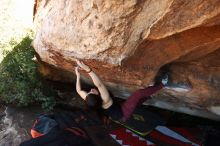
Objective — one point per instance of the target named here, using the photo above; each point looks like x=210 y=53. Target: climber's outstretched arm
x=81 y=92
x=107 y=100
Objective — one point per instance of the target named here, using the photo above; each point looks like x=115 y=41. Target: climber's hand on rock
x=83 y=66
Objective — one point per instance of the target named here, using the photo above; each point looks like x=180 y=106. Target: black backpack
x=60 y=129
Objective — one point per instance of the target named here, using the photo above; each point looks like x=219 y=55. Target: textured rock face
x=132 y=40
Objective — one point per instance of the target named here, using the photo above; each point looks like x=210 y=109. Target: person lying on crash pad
x=101 y=100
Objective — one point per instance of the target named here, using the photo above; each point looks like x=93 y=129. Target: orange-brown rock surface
x=127 y=42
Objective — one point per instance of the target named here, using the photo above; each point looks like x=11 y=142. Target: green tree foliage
x=20 y=82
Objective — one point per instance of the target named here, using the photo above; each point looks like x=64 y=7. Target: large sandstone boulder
x=127 y=42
